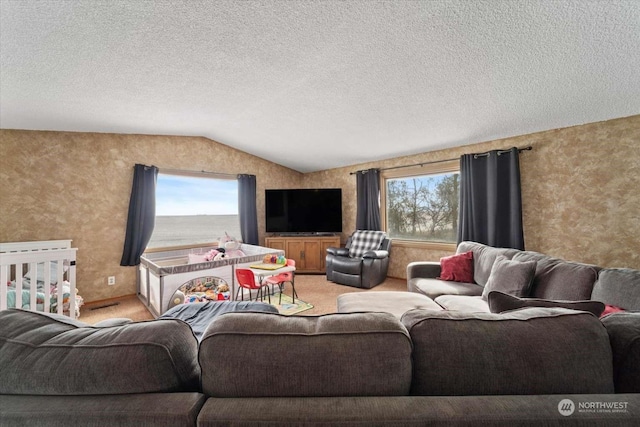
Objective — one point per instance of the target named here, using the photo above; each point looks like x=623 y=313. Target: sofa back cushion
x=619 y=287
x=483 y=258
x=528 y=351
x=48 y=355
x=272 y=355
x=557 y=279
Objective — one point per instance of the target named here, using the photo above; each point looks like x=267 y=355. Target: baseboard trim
x=103 y=302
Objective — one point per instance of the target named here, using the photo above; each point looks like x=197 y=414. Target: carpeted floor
x=311 y=288
x=129 y=307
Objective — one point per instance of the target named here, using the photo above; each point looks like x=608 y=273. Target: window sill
x=435 y=246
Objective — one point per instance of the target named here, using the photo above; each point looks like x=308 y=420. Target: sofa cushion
x=531 y=351
x=471 y=304
x=420 y=411
x=557 y=279
x=121 y=410
x=396 y=303
x=457 y=268
x=433 y=288
x=619 y=287
x=624 y=334
x=44 y=355
x=500 y=302
x=511 y=277
x=483 y=258
x=272 y=355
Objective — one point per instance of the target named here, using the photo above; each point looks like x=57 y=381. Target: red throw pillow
x=609 y=309
x=457 y=268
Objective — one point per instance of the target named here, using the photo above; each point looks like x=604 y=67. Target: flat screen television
x=312 y=211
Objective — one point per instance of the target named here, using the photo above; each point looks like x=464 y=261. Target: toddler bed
x=39 y=276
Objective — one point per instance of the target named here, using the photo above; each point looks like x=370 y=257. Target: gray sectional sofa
x=554 y=279
x=535 y=366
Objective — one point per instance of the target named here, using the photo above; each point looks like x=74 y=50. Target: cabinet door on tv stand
x=304 y=253
x=294 y=249
x=276 y=243
x=311 y=256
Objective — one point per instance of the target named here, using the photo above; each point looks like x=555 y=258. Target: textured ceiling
x=314 y=85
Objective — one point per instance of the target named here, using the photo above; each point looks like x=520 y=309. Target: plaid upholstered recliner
x=362 y=263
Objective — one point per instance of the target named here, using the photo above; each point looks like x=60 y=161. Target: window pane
x=423 y=208
x=193 y=210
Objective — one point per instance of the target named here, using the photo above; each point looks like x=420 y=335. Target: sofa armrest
x=425 y=269
x=376 y=254
x=624 y=336
x=338 y=251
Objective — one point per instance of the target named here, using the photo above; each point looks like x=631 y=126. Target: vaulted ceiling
x=313 y=85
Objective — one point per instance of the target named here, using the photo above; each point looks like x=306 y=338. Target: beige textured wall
x=580 y=190
x=62 y=185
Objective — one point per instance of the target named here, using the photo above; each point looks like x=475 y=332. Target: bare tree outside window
x=423 y=208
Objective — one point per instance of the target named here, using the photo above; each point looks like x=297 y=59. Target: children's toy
x=193 y=298
x=229 y=243
x=273 y=259
x=223 y=292
x=209 y=256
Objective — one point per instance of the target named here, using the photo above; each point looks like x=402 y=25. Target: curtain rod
x=192 y=172
x=445 y=160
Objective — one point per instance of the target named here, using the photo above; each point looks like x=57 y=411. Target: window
x=194 y=209
x=421 y=203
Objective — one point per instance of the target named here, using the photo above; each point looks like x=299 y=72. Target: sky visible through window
x=185 y=195
x=430 y=181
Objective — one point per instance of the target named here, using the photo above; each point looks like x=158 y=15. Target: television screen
x=317 y=210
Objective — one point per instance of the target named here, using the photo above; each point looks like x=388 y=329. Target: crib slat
x=47 y=287
x=60 y=287
x=33 y=286
x=19 y=269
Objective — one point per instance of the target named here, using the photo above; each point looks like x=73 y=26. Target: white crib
x=21 y=262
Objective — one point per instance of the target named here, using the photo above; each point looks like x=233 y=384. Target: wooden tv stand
x=308 y=251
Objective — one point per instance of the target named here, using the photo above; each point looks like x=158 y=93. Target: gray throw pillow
x=499 y=302
x=510 y=277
